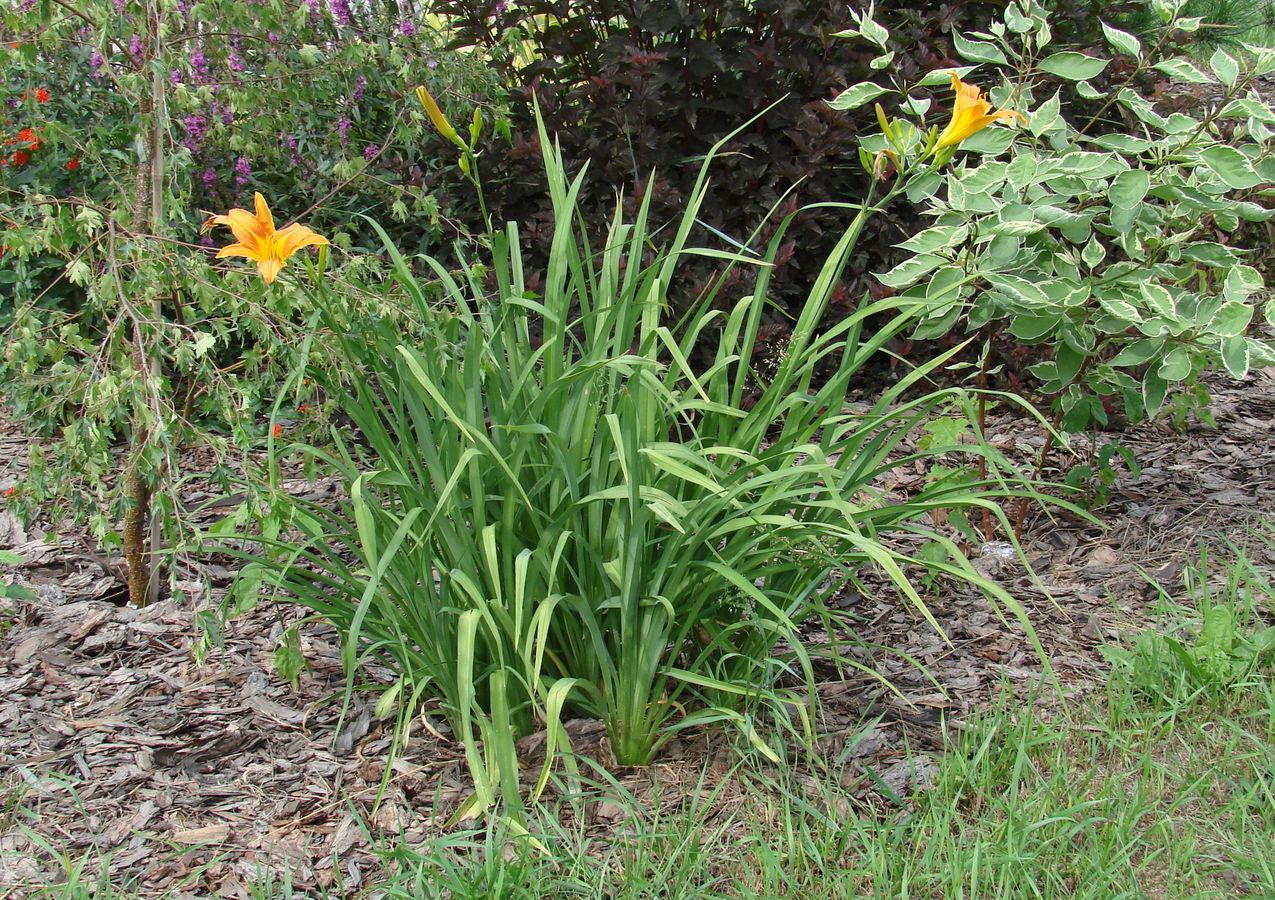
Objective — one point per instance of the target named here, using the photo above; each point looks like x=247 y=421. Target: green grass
x=1122 y=802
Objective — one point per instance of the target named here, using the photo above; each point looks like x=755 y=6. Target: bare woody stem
x=989 y=527
x=1048 y=446
x=141 y=547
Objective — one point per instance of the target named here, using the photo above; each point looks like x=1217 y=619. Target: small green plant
x=1220 y=647
x=12 y=591
x=1094 y=479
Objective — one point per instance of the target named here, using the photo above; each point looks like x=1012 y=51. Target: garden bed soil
x=194 y=778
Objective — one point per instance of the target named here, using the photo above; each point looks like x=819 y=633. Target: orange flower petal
x=213 y=222
x=236 y=250
x=294 y=237
x=247 y=229
x=269 y=269
x=264 y=219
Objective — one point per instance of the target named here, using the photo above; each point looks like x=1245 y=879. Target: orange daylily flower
x=971 y=114
x=257 y=240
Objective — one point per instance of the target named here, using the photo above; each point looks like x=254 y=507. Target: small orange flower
x=27 y=136
x=257 y=240
x=73 y=163
x=42 y=95
x=276 y=430
x=971 y=114
x=21 y=157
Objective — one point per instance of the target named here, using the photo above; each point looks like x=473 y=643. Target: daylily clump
x=257 y=239
x=971 y=114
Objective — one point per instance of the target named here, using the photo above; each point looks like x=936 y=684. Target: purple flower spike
x=370 y=152
x=199 y=64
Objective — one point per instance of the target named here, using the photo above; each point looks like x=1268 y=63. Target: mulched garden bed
x=194 y=778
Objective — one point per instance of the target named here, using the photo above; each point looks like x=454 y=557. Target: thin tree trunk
x=142 y=543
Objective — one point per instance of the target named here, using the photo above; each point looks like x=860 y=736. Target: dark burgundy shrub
x=641 y=89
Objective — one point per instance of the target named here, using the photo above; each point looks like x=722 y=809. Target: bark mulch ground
x=119 y=747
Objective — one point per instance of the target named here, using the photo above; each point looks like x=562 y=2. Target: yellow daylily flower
x=257 y=240
x=972 y=114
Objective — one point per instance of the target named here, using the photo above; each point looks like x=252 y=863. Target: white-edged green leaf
x=910 y=271
x=1073 y=66
x=1242 y=281
x=1127 y=191
x=1123 y=143
x=1224 y=67
x=1176 y=365
x=978 y=51
x=1122 y=41
x=1137 y=353
x=1159 y=299
x=1232 y=166
x=937 y=77
x=857 y=95
x=1233 y=318
x=1236 y=355
x=935 y=238
x=1045 y=116
x=1180 y=69
x=1118 y=306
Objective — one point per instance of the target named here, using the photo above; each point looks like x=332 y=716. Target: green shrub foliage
x=121 y=122
x=1113 y=250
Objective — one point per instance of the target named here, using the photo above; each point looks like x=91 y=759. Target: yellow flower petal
x=247 y=229
x=294 y=237
x=236 y=250
x=436 y=116
x=257 y=239
x=971 y=113
x=269 y=269
x=213 y=222
x=264 y=219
